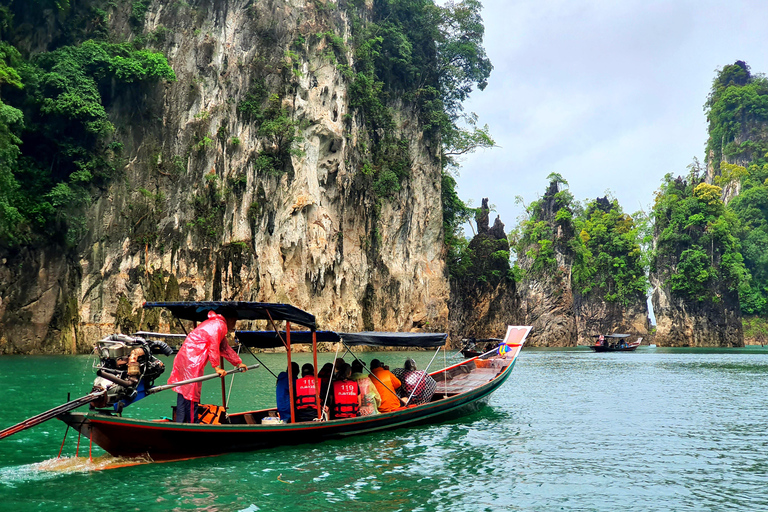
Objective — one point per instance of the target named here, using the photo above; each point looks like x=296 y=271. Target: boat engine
x=126 y=369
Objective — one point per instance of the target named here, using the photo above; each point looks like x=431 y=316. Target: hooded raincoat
x=207 y=342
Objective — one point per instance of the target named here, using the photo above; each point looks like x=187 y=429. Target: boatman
x=207 y=342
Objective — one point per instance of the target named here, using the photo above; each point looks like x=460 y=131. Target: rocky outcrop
x=483 y=298
x=681 y=323
x=195 y=218
x=608 y=301
x=695 y=300
x=546 y=294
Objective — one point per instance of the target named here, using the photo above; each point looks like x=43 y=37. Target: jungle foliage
x=56 y=140
x=697 y=246
x=737 y=110
x=610 y=262
x=603 y=243
x=548 y=226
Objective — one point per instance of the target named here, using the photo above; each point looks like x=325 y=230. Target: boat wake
x=65 y=465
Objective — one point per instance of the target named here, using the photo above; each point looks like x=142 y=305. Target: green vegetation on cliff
x=597 y=242
x=737 y=110
x=697 y=250
x=610 y=262
x=430 y=58
x=56 y=140
x=547 y=230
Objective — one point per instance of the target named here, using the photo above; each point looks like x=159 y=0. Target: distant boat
x=614 y=343
x=473 y=347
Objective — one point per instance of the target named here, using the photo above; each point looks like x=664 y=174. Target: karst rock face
x=547 y=296
x=681 y=323
x=191 y=218
x=484 y=300
x=596 y=316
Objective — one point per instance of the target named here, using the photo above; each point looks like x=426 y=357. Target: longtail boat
x=614 y=343
x=462 y=389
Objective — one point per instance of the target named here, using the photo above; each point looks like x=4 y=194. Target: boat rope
x=259 y=360
x=232 y=380
x=445 y=375
x=274 y=327
x=423 y=375
x=371 y=374
x=330 y=379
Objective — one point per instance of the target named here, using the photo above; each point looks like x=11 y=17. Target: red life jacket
x=345 y=404
x=305 y=392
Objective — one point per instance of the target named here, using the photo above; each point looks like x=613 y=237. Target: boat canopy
x=198 y=311
x=269 y=339
x=611 y=335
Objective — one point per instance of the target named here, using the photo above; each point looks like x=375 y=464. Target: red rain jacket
x=207 y=342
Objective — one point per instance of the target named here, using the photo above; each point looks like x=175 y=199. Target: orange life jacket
x=345 y=403
x=305 y=392
x=211 y=414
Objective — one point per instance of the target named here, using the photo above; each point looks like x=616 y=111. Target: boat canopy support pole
x=232 y=380
x=223 y=385
x=62 y=442
x=317 y=381
x=291 y=390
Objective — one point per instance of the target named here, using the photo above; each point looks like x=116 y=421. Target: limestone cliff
x=483 y=296
x=195 y=217
x=610 y=284
x=596 y=316
x=695 y=267
x=546 y=259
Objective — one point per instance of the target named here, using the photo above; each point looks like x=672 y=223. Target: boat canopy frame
x=271 y=339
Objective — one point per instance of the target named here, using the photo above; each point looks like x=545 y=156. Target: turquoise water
x=657 y=429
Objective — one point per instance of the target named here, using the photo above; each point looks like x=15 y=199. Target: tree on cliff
x=47 y=170
x=737 y=107
x=737 y=111
x=697 y=252
x=610 y=263
x=432 y=55
x=547 y=231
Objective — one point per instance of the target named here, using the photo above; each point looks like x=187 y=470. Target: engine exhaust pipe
x=116 y=380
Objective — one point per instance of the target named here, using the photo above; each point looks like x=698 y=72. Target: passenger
x=370 y=399
x=206 y=343
x=336 y=365
x=306 y=386
x=325 y=374
x=346 y=394
x=418 y=380
x=282 y=392
x=386 y=384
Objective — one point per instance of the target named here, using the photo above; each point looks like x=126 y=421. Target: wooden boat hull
x=627 y=348
x=164 y=440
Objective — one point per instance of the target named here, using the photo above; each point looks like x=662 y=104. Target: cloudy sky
x=608 y=93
